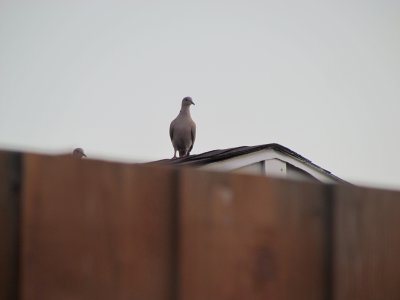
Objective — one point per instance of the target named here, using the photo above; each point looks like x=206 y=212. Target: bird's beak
x=191 y=101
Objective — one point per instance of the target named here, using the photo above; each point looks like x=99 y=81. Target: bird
x=182 y=130
x=79 y=153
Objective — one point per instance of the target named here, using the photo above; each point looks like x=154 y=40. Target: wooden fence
x=83 y=229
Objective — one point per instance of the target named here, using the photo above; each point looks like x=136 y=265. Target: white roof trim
x=240 y=161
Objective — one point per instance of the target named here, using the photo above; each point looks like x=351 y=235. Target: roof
x=223 y=154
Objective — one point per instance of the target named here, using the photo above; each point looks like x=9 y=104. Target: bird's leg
x=174 y=154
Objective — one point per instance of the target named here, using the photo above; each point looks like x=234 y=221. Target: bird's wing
x=171 y=129
x=193 y=135
x=193 y=132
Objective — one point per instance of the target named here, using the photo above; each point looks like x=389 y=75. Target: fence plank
x=9 y=224
x=247 y=237
x=96 y=230
x=367 y=244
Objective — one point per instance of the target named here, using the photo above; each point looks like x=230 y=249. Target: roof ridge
x=224 y=154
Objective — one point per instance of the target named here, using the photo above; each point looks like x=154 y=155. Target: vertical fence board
x=247 y=237
x=367 y=244
x=9 y=224
x=96 y=230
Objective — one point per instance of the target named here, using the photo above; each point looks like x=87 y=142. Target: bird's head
x=187 y=101
x=78 y=152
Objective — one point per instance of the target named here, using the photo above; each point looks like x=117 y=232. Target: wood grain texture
x=9 y=224
x=96 y=230
x=367 y=244
x=248 y=237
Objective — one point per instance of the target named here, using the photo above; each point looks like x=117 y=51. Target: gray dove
x=182 y=130
x=78 y=152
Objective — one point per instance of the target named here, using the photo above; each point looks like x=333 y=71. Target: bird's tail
x=182 y=153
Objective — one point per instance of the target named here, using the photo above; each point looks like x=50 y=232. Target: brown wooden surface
x=9 y=224
x=96 y=230
x=247 y=237
x=367 y=244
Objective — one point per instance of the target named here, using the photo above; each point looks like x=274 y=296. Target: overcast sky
x=319 y=77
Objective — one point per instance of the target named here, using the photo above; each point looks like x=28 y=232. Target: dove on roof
x=182 y=130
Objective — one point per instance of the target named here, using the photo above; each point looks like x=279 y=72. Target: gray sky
x=319 y=77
